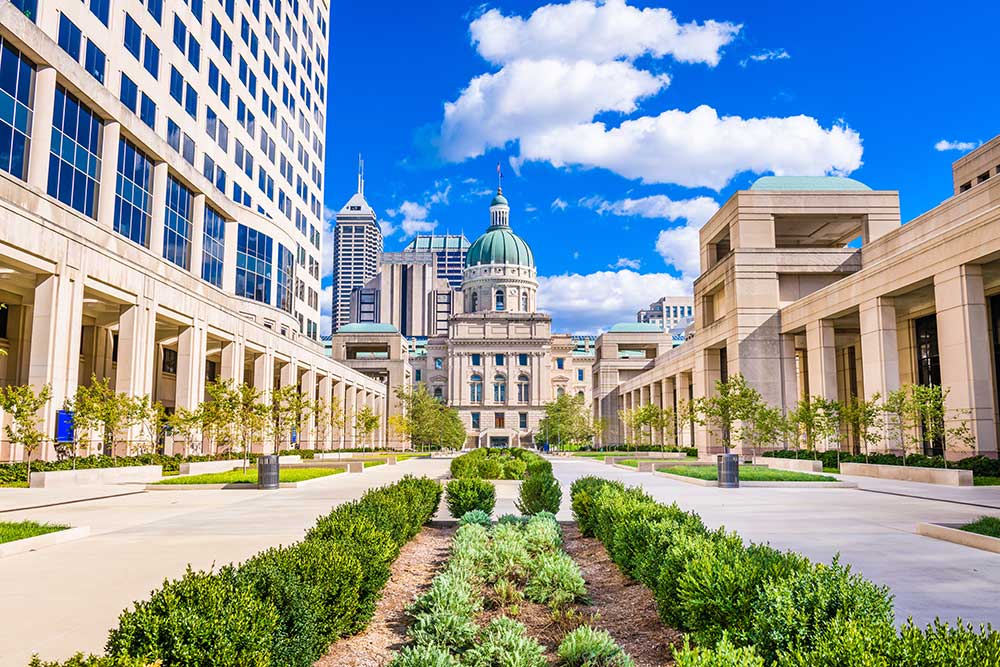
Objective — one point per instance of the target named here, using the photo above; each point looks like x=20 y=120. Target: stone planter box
x=289 y=458
x=355 y=466
x=795 y=465
x=41 y=541
x=96 y=477
x=947 y=476
x=205 y=467
x=951 y=532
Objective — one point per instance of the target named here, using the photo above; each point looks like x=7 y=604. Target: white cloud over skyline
x=963 y=146
x=768 y=54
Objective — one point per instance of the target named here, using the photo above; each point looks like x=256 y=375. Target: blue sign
x=64 y=426
x=295 y=436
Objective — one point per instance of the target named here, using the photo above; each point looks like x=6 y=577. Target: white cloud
x=699 y=148
x=696 y=211
x=593 y=302
x=415 y=219
x=528 y=208
x=325 y=310
x=769 y=54
x=387 y=227
x=530 y=97
x=626 y=263
x=679 y=247
x=440 y=195
x=326 y=258
x=964 y=146
x=600 y=32
x=558 y=204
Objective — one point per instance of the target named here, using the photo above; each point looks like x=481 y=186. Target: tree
x=568 y=422
x=734 y=402
x=321 y=413
x=98 y=407
x=22 y=403
x=666 y=424
x=365 y=423
x=815 y=420
x=425 y=421
x=765 y=427
x=687 y=414
x=152 y=420
x=863 y=418
x=187 y=425
x=234 y=415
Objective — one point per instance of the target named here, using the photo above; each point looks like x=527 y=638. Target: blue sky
x=622 y=125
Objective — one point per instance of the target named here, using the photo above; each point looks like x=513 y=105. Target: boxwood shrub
x=540 y=492
x=466 y=495
x=494 y=463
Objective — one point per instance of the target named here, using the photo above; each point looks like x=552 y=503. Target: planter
x=952 y=533
x=205 y=467
x=795 y=465
x=289 y=458
x=41 y=541
x=946 y=476
x=55 y=479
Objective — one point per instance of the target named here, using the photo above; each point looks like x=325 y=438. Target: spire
x=361 y=175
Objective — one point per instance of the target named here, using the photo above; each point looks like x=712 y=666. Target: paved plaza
x=65 y=598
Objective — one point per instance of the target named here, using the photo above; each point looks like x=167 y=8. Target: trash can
x=268 y=472
x=729 y=471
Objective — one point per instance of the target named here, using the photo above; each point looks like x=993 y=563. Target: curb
x=759 y=485
x=42 y=541
x=945 y=531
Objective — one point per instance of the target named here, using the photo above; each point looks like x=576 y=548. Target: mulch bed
x=619 y=605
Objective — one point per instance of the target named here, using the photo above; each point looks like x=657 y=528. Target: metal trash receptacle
x=268 y=472
x=729 y=471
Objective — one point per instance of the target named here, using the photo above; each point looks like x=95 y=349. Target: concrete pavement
x=65 y=598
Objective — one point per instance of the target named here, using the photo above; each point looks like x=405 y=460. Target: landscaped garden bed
x=248 y=477
x=11 y=531
x=984 y=533
x=748 y=473
x=985 y=471
x=492 y=463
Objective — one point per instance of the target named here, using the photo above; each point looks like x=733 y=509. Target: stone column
x=683 y=429
x=190 y=389
x=136 y=349
x=159 y=214
x=326 y=395
x=109 y=174
x=822 y=355
x=56 y=325
x=232 y=361
x=308 y=435
x=667 y=404
x=879 y=347
x=341 y=393
x=707 y=371
x=350 y=410
x=41 y=127
x=966 y=364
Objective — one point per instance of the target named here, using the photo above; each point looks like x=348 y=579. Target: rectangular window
x=176 y=85
x=477 y=360
x=133 y=193
x=416 y=375
x=155 y=9
x=133 y=37
x=213 y=244
x=177 y=224
x=499 y=360
x=169 y=361
x=74 y=159
x=101 y=9
x=475 y=420
x=498 y=420
x=579 y=375
x=560 y=363
x=522 y=421
x=438 y=363
x=95 y=61
x=522 y=360
x=253 y=265
x=151 y=58
x=147 y=111
x=16 y=77
x=69 y=37
x=286 y=275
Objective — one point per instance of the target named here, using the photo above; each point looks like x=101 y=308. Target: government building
x=161 y=194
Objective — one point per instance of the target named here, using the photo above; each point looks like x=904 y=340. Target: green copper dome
x=499 y=200
x=499 y=245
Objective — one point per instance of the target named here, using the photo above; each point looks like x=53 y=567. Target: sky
x=621 y=126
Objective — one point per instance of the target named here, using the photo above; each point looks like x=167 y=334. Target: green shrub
x=475 y=516
x=513 y=518
x=339 y=578
x=582 y=494
x=443 y=616
x=507 y=556
x=487 y=463
x=424 y=655
x=200 y=619
x=587 y=647
x=504 y=643
x=81 y=660
x=465 y=495
x=539 y=493
x=555 y=581
x=725 y=654
x=542 y=534
x=514 y=469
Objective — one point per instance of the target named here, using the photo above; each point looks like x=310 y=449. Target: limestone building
x=810 y=286
x=668 y=312
x=160 y=201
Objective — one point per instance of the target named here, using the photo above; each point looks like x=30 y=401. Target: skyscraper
x=449 y=253
x=357 y=247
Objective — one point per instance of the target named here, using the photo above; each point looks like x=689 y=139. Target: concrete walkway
x=65 y=598
x=873 y=532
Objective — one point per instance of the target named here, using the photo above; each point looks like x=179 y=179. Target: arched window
x=475 y=302
x=499 y=389
x=560 y=392
x=476 y=389
x=524 y=302
x=499 y=300
x=523 y=389
x=579 y=394
x=438 y=393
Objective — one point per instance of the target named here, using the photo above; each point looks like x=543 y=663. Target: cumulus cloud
x=326 y=258
x=415 y=219
x=964 y=146
x=769 y=54
x=699 y=148
x=626 y=263
x=679 y=248
x=326 y=310
x=696 y=211
x=589 y=303
x=558 y=204
x=599 y=32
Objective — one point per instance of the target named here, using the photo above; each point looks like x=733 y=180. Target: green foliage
x=724 y=654
x=539 y=493
x=555 y=581
x=981 y=466
x=424 y=655
x=506 y=463
x=542 y=533
x=444 y=615
x=20 y=530
x=587 y=647
x=475 y=516
x=568 y=423
x=504 y=643
x=81 y=660
x=465 y=495
x=427 y=422
x=733 y=402
x=22 y=403
x=987 y=525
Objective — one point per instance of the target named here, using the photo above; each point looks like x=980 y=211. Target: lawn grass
x=250 y=477
x=748 y=473
x=985 y=481
x=19 y=530
x=14 y=485
x=634 y=463
x=987 y=525
x=832 y=471
x=601 y=455
x=372 y=464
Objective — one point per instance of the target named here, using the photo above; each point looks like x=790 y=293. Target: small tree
x=98 y=407
x=568 y=420
x=734 y=402
x=151 y=418
x=365 y=423
x=863 y=417
x=687 y=415
x=666 y=424
x=321 y=413
x=22 y=403
x=814 y=421
x=765 y=427
x=188 y=425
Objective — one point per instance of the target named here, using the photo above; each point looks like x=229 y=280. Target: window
x=128 y=93
x=560 y=392
x=176 y=85
x=74 y=159
x=560 y=363
x=169 y=361
x=253 y=265
x=475 y=302
x=286 y=271
x=147 y=111
x=475 y=420
x=151 y=58
x=477 y=360
x=133 y=193
x=498 y=360
x=69 y=37
x=213 y=247
x=524 y=302
x=438 y=363
x=16 y=75
x=100 y=9
x=522 y=421
x=476 y=389
x=416 y=375
x=133 y=37
x=438 y=393
x=95 y=61
x=522 y=360
x=155 y=9
x=579 y=375
x=499 y=389
x=499 y=299
x=498 y=420
x=177 y=224
x=523 y=389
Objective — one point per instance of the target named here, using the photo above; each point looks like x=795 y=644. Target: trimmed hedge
x=539 y=493
x=284 y=606
x=981 y=466
x=468 y=495
x=506 y=463
x=749 y=604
